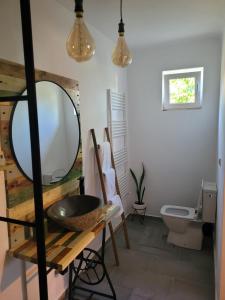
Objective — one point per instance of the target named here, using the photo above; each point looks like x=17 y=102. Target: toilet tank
x=209 y=194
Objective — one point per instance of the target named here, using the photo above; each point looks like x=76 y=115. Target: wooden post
x=118 y=190
x=104 y=195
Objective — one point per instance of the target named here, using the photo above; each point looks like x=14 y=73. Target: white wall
x=220 y=226
x=178 y=147
x=51 y=25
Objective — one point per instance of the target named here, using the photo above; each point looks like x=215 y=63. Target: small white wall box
x=209 y=202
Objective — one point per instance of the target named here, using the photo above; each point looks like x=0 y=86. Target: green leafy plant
x=139 y=190
x=182 y=90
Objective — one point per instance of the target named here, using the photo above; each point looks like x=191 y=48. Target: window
x=182 y=89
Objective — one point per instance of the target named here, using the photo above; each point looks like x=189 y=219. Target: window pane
x=182 y=90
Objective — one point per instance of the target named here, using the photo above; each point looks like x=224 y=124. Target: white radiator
x=117 y=124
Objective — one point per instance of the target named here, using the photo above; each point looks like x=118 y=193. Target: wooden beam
x=96 y=148
x=124 y=224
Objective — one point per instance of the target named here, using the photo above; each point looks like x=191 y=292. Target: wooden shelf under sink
x=62 y=247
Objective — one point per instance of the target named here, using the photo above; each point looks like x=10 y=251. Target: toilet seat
x=178 y=211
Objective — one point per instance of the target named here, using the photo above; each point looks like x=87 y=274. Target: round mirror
x=59 y=133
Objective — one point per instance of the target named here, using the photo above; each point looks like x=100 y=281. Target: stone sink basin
x=76 y=213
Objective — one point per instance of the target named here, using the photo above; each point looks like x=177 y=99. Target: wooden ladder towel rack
x=102 y=182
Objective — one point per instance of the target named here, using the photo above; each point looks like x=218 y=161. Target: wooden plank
x=75 y=251
x=15 y=70
x=12 y=69
x=6 y=103
x=12 y=84
x=5 y=112
x=62 y=248
x=24 y=247
x=57 y=255
x=50 y=242
x=18 y=187
x=12 y=173
x=3 y=226
x=84 y=239
x=8 y=94
x=98 y=228
x=60 y=80
x=17 y=234
x=124 y=224
x=65 y=238
x=4 y=127
x=102 y=182
x=30 y=250
x=53 y=252
x=25 y=210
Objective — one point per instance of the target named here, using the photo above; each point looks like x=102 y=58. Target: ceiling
x=154 y=21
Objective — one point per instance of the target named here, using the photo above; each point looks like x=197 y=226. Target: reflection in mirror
x=59 y=133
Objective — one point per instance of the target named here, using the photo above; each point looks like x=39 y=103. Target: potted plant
x=139 y=204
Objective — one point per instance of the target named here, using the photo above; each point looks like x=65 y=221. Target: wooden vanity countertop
x=62 y=246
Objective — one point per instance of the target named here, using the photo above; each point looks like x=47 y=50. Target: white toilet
x=185 y=223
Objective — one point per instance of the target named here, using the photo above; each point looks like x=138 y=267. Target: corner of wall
x=218 y=242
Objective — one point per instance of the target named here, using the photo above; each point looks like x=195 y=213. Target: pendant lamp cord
x=121 y=24
x=121 y=10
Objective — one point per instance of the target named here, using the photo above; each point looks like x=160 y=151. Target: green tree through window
x=182 y=90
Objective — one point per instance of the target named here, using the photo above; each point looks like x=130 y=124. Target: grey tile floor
x=155 y=270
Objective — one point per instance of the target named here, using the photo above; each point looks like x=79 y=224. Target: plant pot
x=139 y=206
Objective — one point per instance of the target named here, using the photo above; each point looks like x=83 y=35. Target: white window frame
x=197 y=73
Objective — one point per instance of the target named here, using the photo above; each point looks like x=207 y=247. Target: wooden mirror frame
x=19 y=190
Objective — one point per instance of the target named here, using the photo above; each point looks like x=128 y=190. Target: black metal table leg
x=90 y=260
x=77 y=270
x=109 y=281
x=103 y=245
x=70 y=281
x=103 y=263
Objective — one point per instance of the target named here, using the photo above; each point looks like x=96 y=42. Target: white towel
x=110 y=184
x=106 y=157
x=117 y=201
x=92 y=184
